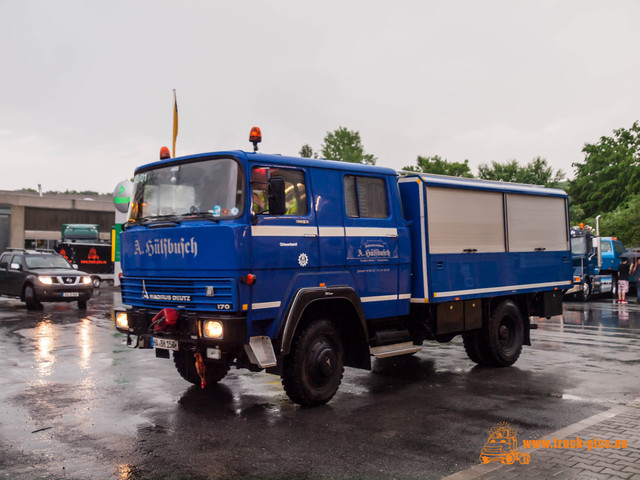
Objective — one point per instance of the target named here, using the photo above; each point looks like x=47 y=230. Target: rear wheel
x=475 y=344
x=30 y=298
x=505 y=334
x=313 y=370
x=186 y=365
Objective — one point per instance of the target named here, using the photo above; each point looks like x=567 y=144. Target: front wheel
x=96 y=282
x=585 y=295
x=186 y=365
x=313 y=370
x=30 y=298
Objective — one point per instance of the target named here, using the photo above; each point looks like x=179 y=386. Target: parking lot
x=76 y=403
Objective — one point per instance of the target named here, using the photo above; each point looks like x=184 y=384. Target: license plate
x=165 y=343
x=70 y=294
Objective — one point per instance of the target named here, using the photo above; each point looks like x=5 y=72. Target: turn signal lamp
x=165 y=153
x=249 y=279
x=122 y=321
x=212 y=329
x=255 y=137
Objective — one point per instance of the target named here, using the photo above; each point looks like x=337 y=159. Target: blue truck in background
x=595 y=263
x=301 y=267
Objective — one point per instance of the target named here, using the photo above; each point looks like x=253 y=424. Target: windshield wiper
x=199 y=216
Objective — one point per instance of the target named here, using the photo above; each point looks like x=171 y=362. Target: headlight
x=45 y=280
x=86 y=280
x=122 y=321
x=212 y=329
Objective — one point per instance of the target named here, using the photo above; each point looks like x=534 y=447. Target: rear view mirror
x=277 y=196
x=15 y=266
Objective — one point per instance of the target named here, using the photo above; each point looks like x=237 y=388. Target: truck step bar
x=394 y=350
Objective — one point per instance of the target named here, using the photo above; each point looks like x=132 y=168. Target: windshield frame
x=241 y=186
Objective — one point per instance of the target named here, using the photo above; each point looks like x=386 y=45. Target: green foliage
x=440 y=166
x=536 y=172
x=346 y=146
x=609 y=173
x=307 y=152
x=623 y=222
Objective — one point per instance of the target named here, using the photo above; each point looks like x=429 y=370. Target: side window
x=17 y=259
x=605 y=246
x=365 y=197
x=294 y=186
x=4 y=262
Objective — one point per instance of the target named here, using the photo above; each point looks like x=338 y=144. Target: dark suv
x=37 y=276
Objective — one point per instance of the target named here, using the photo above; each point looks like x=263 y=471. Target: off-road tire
x=186 y=365
x=477 y=347
x=313 y=369
x=82 y=304
x=505 y=334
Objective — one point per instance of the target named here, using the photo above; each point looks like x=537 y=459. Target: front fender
x=305 y=297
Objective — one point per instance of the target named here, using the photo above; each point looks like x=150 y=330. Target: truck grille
x=198 y=294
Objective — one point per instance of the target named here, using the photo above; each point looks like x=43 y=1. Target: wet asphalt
x=76 y=403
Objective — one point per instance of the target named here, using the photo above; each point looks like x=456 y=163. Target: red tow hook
x=165 y=320
x=200 y=368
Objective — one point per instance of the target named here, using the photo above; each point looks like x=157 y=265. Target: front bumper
x=63 y=293
x=187 y=330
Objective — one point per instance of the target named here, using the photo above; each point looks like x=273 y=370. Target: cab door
x=285 y=245
x=371 y=237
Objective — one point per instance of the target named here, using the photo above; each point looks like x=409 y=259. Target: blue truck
x=301 y=267
x=595 y=263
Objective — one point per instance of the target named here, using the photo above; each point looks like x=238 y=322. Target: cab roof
x=274 y=159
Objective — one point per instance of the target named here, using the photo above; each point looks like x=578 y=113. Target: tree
x=307 y=152
x=609 y=173
x=440 y=166
x=622 y=222
x=346 y=146
x=536 y=172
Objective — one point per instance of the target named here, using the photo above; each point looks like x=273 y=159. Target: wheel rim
x=506 y=333
x=322 y=362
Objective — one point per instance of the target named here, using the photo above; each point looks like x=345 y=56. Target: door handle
x=310 y=235
x=392 y=235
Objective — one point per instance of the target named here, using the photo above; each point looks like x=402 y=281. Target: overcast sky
x=87 y=86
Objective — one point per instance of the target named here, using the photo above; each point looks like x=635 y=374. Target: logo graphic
x=93 y=255
x=502 y=446
x=303 y=259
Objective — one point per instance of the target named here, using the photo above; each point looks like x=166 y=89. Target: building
x=32 y=220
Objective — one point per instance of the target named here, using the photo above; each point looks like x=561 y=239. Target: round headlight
x=212 y=329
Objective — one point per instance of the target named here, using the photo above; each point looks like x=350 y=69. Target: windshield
x=208 y=188
x=579 y=245
x=47 y=261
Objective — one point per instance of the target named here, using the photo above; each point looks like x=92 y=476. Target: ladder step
x=404 y=348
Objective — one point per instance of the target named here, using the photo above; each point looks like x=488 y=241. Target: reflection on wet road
x=76 y=403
